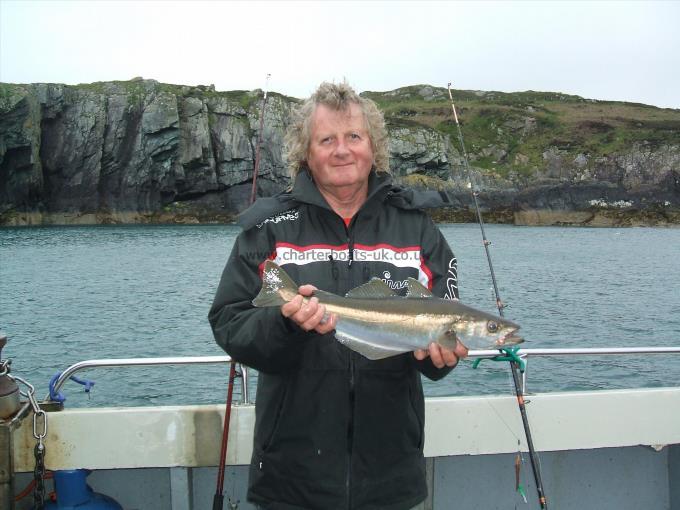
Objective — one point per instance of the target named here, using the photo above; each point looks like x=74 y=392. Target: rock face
x=143 y=151
x=132 y=151
x=419 y=149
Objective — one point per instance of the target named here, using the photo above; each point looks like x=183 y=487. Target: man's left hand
x=442 y=357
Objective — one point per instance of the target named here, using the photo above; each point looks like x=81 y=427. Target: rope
x=509 y=354
x=58 y=396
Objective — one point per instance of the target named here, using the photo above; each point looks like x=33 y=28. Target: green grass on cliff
x=10 y=93
x=523 y=125
x=137 y=89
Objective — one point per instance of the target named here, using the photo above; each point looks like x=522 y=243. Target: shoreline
x=534 y=217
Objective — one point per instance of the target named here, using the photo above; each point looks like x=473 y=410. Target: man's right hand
x=307 y=312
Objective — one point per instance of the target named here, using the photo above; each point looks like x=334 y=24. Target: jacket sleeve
x=443 y=265
x=260 y=338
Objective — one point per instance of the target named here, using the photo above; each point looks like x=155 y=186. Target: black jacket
x=333 y=430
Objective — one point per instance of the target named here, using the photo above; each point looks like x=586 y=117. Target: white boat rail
x=139 y=362
x=474 y=354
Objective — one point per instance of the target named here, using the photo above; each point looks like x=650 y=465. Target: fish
x=378 y=323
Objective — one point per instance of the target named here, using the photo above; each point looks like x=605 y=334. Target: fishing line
x=514 y=366
x=519 y=458
x=500 y=417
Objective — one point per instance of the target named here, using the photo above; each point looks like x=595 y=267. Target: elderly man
x=333 y=429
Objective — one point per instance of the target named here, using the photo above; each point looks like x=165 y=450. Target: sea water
x=69 y=294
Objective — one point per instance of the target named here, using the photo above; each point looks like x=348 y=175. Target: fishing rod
x=514 y=365
x=218 y=498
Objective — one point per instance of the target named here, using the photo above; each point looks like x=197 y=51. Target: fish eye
x=492 y=326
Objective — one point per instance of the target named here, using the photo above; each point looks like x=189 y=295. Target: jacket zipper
x=350 y=247
x=350 y=240
x=350 y=432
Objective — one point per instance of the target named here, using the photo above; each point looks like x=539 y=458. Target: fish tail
x=275 y=284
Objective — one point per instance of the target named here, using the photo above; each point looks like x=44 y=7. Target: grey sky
x=628 y=51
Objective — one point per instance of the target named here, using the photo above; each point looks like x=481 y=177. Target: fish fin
x=375 y=288
x=448 y=340
x=415 y=289
x=274 y=280
x=368 y=350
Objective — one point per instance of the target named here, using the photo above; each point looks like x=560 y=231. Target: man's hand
x=309 y=315
x=441 y=356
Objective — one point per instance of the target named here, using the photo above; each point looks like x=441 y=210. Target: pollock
x=377 y=323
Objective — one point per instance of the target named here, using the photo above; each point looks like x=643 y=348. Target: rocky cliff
x=143 y=151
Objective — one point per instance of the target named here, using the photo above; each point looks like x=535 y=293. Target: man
x=333 y=429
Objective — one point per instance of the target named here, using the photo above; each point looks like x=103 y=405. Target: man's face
x=340 y=152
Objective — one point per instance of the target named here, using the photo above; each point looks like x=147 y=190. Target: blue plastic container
x=73 y=493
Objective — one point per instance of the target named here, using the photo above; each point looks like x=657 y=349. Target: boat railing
x=524 y=354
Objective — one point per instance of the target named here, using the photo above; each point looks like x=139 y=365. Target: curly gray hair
x=338 y=97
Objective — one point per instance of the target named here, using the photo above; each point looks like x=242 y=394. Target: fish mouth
x=509 y=339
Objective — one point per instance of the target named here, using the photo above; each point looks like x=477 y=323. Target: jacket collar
x=305 y=191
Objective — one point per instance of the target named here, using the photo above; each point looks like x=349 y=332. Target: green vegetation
x=524 y=125
x=242 y=97
x=137 y=89
x=10 y=94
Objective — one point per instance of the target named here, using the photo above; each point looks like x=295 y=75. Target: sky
x=613 y=50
